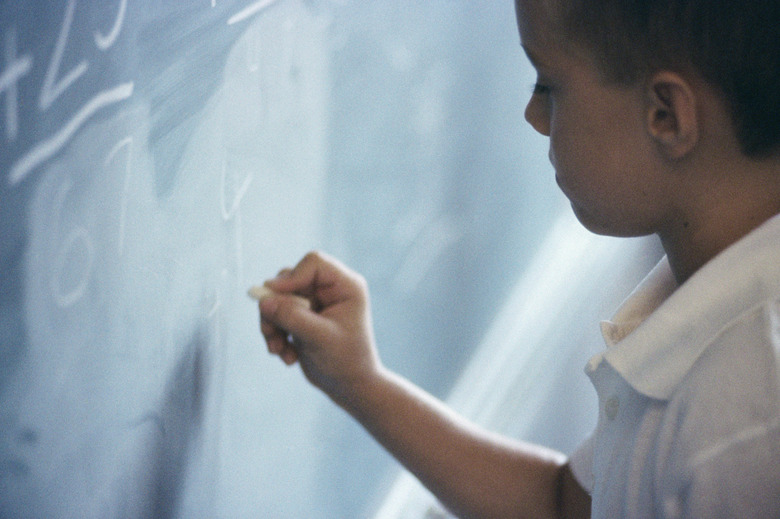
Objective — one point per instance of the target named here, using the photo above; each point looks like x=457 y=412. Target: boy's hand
x=331 y=337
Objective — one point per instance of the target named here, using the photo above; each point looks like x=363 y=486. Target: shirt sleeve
x=581 y=463
x=738 y=479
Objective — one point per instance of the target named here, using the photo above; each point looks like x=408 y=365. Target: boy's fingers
x=289 y=356
x=266 y=328
x=313 y=275
x=299 y=278
x=279 y=343
x=288 y=314
x=275 y=340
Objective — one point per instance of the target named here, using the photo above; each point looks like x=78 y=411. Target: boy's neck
x=723 y=212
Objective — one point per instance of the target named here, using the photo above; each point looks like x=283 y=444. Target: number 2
x=52 y=88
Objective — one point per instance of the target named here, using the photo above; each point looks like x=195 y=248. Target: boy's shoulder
x=721 y=428
x=722 y=419
x=734 y=386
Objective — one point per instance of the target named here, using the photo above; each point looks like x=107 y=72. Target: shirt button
x=611 y=407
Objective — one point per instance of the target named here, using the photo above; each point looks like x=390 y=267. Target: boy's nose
x=537 y=116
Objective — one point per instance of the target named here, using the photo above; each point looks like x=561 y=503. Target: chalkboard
x=158 y=157
x=132 y=134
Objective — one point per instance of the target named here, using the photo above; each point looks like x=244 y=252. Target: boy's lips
x=560 y=183
x=561 y=186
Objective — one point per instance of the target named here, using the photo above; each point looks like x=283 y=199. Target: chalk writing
x=67 y=297
x=104 y=42
x=77 y=241
x=250 y=11
x=16 y=68
x=126 y=143
x=47 y=148
x=51 y=87
x=227 y=214
x=54 y=85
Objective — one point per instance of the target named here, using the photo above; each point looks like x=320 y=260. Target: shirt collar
x=657 y=286
x=660 y=331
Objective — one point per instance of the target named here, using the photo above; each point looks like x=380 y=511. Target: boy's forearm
x=473 y=473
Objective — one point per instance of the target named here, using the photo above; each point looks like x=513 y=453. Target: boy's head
x=734 y=46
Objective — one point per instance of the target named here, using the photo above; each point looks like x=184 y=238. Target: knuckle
x=361 y=281
x=314 y=256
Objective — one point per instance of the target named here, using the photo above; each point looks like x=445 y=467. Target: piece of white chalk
x=260 y=292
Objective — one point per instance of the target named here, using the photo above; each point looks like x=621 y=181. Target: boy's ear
x=672 y=118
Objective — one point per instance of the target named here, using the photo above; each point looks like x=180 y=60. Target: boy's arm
x=472 y=472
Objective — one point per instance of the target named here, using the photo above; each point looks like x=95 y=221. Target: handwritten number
x=228 y=213
x=127 y=142
x=104 y=42
x=15 y=69
x=52 y=88
x=72 y=269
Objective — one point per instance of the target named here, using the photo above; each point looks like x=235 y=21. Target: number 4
x=15 y=69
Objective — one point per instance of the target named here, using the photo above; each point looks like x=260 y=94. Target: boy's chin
x=604 y=226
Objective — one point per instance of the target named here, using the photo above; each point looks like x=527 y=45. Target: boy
x=662 y=118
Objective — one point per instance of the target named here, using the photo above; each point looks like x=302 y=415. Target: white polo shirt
x=689 y=392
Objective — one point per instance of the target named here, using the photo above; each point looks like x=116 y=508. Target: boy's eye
x=540 y=89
